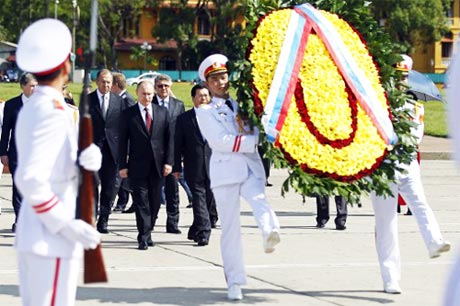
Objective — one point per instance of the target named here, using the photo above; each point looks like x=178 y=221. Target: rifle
x=94 y=269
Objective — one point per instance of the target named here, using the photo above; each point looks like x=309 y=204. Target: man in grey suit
x=175 y=107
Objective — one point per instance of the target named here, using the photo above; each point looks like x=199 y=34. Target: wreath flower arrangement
x=326 y=131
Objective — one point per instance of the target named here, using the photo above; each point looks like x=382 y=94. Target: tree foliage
x=411 y=23
x=380 y=44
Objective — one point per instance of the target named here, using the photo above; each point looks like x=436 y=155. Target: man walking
x=196 y=153
x=8 y=153
x=105 y=108
x=175 y=107
x=146 y=156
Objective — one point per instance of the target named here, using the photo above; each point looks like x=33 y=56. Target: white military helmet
x=215 y=63
x=44 y=47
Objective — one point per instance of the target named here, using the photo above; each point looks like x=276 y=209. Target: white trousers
x=386 y=221
x=228 y=206
x=452 y=294
x=46 y=281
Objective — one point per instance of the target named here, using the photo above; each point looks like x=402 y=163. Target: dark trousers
x=202 y=205
x=17 y=198
x=172 y=202
x=146 y=194
x=109 y=181
x=322 y=206
x=184 y=185
x=123 y=194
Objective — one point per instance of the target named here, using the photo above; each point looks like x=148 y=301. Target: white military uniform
x=49 y=188
x=235 y=170
x=386 y=218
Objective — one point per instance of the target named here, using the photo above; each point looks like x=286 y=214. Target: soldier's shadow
x=196 y=296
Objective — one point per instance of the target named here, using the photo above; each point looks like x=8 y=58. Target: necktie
x=148 y=120
x=104 y=106
x=163 y=103
x=229 y=104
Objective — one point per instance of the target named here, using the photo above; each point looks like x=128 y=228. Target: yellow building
x=139 y=32
x=435 y=58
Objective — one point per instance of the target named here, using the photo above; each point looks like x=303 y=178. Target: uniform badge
x=58 y=104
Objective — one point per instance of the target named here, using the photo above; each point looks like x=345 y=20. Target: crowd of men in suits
x=136 y=161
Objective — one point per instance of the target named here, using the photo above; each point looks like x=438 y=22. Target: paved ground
x=310 y=267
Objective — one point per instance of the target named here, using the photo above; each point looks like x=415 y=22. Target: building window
x=203 y=24
x=167 y=63
x=446 y=49
x=130 y=27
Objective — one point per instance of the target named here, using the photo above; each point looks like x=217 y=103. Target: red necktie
x=148 y=120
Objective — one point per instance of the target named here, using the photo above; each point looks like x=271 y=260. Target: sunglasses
x=163 y=86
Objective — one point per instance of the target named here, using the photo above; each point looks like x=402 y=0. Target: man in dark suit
x=175 y=108
x=105 y=108
x=119 y=88
x=8 y=154
x=195 y=151
x=146 y=156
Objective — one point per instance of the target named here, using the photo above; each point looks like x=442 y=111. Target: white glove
x=91 y=158
x=80 y=231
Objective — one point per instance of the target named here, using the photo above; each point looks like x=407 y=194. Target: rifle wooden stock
x=94 y=269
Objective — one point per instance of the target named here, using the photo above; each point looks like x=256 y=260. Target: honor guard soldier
x=409 y=185
x=49 y=240
x=236 y=171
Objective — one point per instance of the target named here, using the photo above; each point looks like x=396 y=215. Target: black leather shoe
x=189 y=205
x=214 y=224
x=102 y=229
x=13 y=228
x=268 y=184
x=319 y=225
x=150 y=243
x=340 y=227
x=202 y=242
x=129 y=210
x=143 y=245
x=173 y=231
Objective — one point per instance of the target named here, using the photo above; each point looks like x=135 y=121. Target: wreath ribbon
x=303 y=20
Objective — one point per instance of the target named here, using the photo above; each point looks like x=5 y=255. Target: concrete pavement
x=317 y=267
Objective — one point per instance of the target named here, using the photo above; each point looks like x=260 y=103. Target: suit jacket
x=143 y=154
x=129 y=100
x=176 y=107
x=234 y=154
x=8 y=139
x=107 y=130
x=191 y=146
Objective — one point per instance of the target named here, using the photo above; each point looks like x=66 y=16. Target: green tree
x=176 y=23
x=411 y=23
x=381 y=46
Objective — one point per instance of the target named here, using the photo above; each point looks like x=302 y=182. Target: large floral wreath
x=325 y=131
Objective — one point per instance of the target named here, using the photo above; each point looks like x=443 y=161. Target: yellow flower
x=325 y=99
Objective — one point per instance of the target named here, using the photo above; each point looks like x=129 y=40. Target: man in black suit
x=195 y=151
x=105 y=108
x=119 y=88
x=175 y=108
x=8 y=154
x=146 y=156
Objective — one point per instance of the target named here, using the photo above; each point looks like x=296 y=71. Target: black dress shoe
x=268 y=184
x=319 y=225
x=102 y=229
x=129 y=210
x=150 y=243
x=213 y=224
x=13 y=227
x=189 y=205
x=340 y=227
x=143 y=245
x=202 y=242
x=173 y=231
